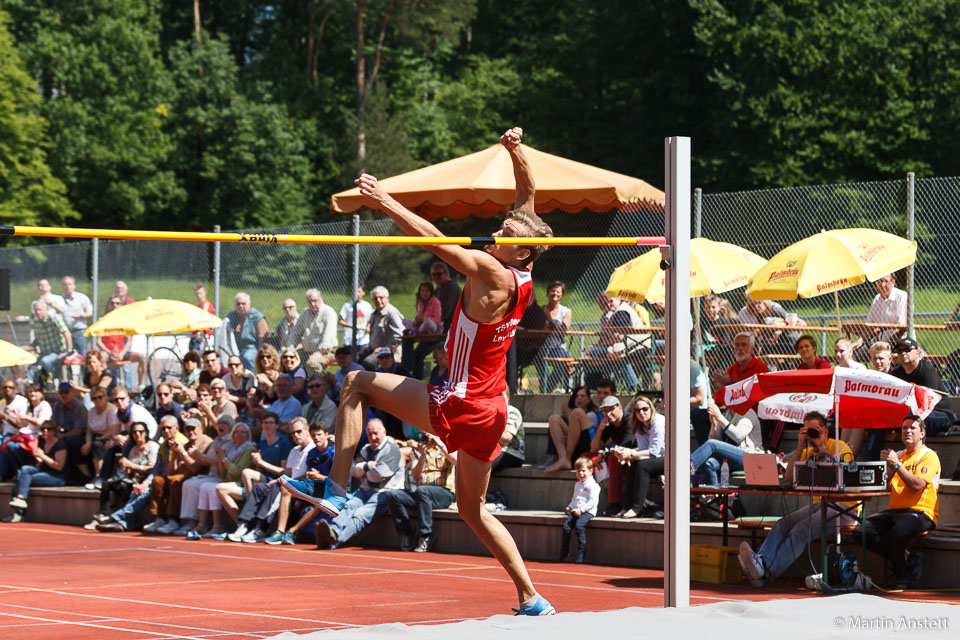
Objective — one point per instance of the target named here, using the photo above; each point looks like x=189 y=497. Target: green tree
x=105 y=92
x=29 y=193
x=240 y=161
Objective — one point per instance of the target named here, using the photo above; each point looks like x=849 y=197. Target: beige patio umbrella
x=482 y=185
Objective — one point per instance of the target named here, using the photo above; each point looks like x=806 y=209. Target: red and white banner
x=867 y=399
x=792 y=407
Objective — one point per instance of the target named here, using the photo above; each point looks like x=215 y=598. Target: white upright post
x=676 y=379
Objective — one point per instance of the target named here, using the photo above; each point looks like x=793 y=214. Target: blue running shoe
x=540 y=607
x=332 y=500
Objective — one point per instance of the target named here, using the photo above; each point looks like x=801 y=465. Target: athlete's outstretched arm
x=526 y=189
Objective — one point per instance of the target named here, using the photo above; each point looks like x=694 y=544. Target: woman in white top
x=728 y=441
x=37 y=413
x=559 y=318
x=102 y=427
x=645 y=457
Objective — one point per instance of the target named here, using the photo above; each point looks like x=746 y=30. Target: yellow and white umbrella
x=714 y=266
x=153 y=317
x=830 y=261
x=12 y=355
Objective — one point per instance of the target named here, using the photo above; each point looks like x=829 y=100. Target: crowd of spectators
x=202 y=456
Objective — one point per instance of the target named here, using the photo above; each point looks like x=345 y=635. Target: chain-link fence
x=762 y=221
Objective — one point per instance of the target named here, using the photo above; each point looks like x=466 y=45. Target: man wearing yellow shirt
x=791 y=535
x=914 y=474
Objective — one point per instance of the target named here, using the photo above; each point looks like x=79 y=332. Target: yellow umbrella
x=714 y=266
x=830 y=261
x=12 y=355
x=482 y=184
x=153 y=317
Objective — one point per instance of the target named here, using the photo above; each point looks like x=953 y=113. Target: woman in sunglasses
x=290 y=365
x=49 y=469
x=238 y=381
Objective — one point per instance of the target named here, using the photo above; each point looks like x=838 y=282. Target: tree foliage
x=275 y=106
x=29 y=192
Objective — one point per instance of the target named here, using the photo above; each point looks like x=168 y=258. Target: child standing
x=582 y=508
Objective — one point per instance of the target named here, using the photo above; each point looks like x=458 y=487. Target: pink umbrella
x=866 y=399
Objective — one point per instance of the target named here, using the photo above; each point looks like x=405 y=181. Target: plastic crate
x=714 y=564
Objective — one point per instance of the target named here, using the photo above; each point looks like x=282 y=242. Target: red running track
x=59 y=581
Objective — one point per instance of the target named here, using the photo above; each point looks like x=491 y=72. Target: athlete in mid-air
x=468 y=413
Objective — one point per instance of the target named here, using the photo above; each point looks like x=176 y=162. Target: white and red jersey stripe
x=477 y=351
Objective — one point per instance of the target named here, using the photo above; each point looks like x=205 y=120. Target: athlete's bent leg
x=405 y=398
x=473 y=475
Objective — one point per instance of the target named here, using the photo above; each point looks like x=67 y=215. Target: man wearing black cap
x=914 y=368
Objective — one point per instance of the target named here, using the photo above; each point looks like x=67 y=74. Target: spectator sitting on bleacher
x=220 y=405
x=428 y=317
x=728 y=441
x=185 y=387
x=644 y=451
x=512 y=445
x=290 y=364
x=806 y=347
x=168 y=464
x=101 y=440
x=254 y=518
x=252 y=409
x=134 y=478
x=319 y=408
x=166 y=405
x=793 y=532
x=435 y=479
x=238 y=381
x=267 y=370
x=615 y=430
x=319 y=461
x=48 y=469
x=615 y=345
x=232 y=460
x=843 y=353
x=26 y=424
x=212 y=367
x=745 y=362
x=378 y=468
x=716 y=313
x=767 y=312
x=915 y=368
x=571 y=430
x=11 y=404
x=183 y=458
x=129 y=412
x=71 y=415
x=269 y=461
x=345 y=365
x=219 y=449
x=96 y=375
x=285 y=406
x=440 y=371
x=914 y=474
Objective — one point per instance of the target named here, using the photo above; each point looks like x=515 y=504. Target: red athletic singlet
x=477 y=352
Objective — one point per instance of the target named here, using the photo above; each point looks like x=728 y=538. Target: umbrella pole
x=836 y=305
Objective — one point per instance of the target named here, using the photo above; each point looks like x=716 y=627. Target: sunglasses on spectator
x=164 y=393
x=136 y=431
x=235 y=364
x=49 y=429
x=642 y=409
x=97 y=397
x=266 y=357
x=314 y=386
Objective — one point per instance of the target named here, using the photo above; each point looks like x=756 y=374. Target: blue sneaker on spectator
x=540 y=607
x=334 y=497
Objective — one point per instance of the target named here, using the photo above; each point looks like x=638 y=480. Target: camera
x=812 y=433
